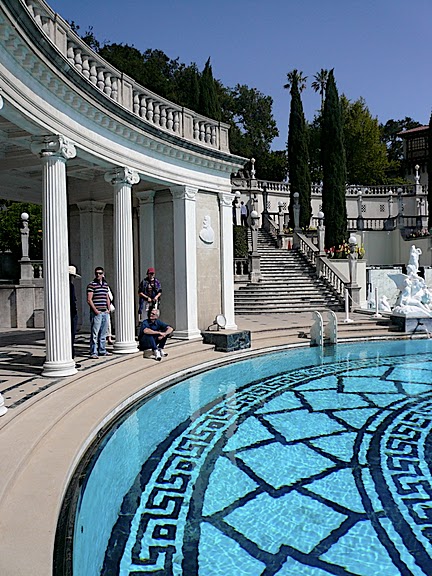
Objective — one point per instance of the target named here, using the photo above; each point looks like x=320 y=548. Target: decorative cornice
x=91 y=207
x=226 y=199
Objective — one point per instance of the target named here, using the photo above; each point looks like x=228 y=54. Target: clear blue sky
x=379 y=49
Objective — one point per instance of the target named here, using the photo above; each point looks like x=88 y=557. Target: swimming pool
x=304 y=462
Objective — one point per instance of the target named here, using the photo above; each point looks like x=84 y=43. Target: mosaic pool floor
x=312 y=471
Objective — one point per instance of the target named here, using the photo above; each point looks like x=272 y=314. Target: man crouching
x=153 y=334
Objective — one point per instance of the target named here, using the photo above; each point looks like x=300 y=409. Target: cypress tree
x=429 y=171
x=298 y=158
x=334 y=167
x=208 y=100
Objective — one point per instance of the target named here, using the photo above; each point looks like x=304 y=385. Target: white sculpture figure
x=384 y=304
x=207 y=233
x=415 y=298
x=413 y=261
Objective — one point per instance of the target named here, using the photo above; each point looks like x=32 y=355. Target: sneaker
x=157 y=355
x=162 y=352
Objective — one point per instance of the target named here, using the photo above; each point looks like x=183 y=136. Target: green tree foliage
x=208 y=98
x=297 y=77
x=298 y=158
x=11 y=224
x=334 y=167
x=389 y=135
x=366 y=155
x=314 y=143
x=253 y=129
x=319 y=84
x=429 y=169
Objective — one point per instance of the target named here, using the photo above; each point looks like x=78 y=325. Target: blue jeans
x=99 y=325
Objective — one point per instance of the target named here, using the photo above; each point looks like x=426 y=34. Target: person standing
x=99 y=302
x=149 y=291
x=153 y=334
x=244 y=212
x=73 y=305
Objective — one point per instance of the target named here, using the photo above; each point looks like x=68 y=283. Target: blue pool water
x=305 y=462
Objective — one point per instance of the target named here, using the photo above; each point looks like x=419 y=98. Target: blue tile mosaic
x=318 y=464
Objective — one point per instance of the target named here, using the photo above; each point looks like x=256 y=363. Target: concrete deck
x=51 y=422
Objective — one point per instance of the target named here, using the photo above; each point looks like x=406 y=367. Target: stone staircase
x=288 y=284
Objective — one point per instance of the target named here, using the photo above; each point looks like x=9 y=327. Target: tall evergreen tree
x=208 y=100
x=298 y=158
x=429 y=170
x=334 y=167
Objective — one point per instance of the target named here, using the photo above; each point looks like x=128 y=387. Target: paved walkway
x=51 y=422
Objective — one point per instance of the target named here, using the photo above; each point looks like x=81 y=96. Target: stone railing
x=325 y=269
x=270 y=225
x=241 y=269
x=148 y=106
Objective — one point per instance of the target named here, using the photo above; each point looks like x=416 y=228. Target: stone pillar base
x=354 y=292
x=187 y=334
x=59 y=369
x=125 y=347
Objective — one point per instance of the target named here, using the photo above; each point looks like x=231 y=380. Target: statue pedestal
x=410 y=325
x=227 y=340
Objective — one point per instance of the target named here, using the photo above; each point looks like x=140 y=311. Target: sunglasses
x=99 y=273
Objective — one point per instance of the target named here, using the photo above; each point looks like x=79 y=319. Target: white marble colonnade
x=185 y=262
x=54 y=151
x=227 y=258
x=122 y=179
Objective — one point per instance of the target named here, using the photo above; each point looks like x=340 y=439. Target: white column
x=185 y=262
x=92 y=249
x=146 y=230
x=54 y=151
x=122 y=180
x=227 y=259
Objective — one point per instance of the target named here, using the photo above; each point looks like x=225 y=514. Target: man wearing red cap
x=149 y=291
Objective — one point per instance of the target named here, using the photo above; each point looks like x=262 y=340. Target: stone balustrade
x=148 y=106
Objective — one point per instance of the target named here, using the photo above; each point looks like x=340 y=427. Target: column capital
x=122 y=175
x=226 y=198
x=53 y=145
x=145 y=196
x=91 y=206
x=184 y=192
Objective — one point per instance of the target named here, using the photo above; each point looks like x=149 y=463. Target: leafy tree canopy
x=11 y=224
x=366 y=155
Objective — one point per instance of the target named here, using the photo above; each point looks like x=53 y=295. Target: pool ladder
x=321 y=335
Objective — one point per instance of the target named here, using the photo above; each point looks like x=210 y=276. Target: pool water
x=305 y=462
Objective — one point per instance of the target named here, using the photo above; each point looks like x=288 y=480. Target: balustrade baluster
x=150 y=110
x=156 y=113
x=78 y=59
x=85 y=66
x=163 y=118
x=170 y=120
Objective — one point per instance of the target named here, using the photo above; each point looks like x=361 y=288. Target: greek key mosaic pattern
x=324 y=470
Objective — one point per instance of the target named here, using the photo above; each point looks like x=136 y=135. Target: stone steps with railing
x=288 y=284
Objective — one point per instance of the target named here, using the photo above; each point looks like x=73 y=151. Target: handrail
x=122 y=89
x=269 y=225
x=333 y=276
x=306 y=247
x=324 y=268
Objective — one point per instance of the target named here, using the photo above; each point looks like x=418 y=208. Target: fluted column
x=185 y=262
x=91 y=216
x=227 y=259
x=146 y=230
x=122 y=180
x=54 y=152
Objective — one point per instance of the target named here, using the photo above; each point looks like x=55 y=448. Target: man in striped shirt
x=99 y=302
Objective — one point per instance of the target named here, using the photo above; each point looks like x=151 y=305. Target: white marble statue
x=415 y=298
